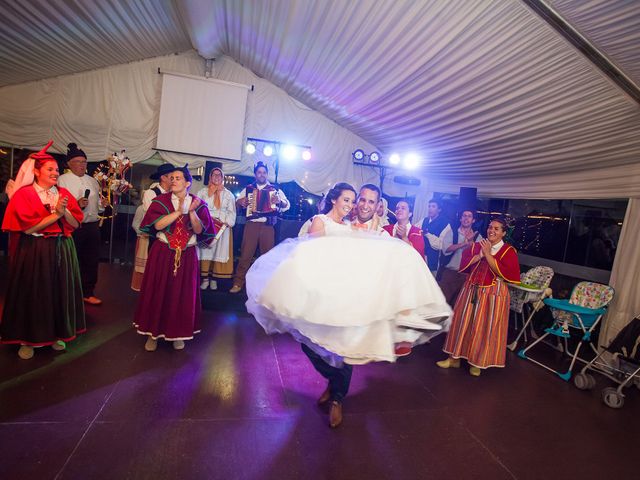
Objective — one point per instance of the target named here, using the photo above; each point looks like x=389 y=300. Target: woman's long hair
x=334 y=194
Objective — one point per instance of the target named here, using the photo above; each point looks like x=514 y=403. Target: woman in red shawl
x=43 y=304
x=169 y=303
x=478 y=330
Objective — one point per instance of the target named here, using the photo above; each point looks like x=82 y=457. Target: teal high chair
x=582 y=312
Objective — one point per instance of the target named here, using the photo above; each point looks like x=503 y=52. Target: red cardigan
x=415 y=237
x=480 y=272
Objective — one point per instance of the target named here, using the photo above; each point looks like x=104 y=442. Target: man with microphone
x=86 y=190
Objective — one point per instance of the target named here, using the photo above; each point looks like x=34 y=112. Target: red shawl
x=482 y=275
x=25 y=210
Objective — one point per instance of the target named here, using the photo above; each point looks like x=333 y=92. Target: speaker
x=467 y=200
x=406 y=180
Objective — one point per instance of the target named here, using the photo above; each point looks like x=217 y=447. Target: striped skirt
x=478 y=330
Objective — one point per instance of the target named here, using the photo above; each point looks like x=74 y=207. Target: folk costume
x=143 y=240
x=415 y=236
x=43 y=303
x=478 y=330
x=169 y=304
x=434 y=231
x=258 y=232
x=216 y=260
x=87 y=237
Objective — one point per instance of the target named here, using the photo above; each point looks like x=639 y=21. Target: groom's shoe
x=325 y=397
x=335 y=414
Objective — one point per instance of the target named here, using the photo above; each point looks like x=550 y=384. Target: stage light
x=394 y=159
x=411 y=161
x=289 y=152
x=306 y=154
x=310 y=201
x=267 y=151
x=374 y=157
x=358 y=155
x=250 y=148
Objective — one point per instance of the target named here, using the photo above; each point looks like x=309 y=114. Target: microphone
x=87 y=192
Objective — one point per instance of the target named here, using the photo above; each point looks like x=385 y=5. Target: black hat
x=184 y=170
x=73 y=151
x=162 y=170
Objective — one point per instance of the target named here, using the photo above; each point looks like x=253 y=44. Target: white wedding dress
x=349 y=296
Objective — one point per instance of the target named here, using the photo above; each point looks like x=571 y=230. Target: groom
x=331 y=366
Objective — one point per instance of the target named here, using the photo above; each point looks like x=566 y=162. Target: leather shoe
x=235 y=289
x=325 y=397
x=335 y=414
x=92 y=300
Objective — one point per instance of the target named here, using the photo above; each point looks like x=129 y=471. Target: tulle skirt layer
x=348 y=298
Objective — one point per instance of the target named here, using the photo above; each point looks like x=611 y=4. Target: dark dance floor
x=237 y=404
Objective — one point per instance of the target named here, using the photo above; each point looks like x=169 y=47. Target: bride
x=348 y=295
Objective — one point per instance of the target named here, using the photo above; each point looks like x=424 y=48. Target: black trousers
x=87 y=240
x=339 y=378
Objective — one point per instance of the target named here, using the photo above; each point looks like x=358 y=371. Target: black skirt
x=43 y=303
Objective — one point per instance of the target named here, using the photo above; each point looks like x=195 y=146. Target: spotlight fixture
x=411 y=161
x=306 y=154
x=267 y=151
x=289 y=152
x=394 y=159
x=358 y=155
x=250 y=148
x=374 y=157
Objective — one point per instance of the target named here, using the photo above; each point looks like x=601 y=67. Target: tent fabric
x=44 y=38
x=625 y=276
x=479 y=88
x=612 y=26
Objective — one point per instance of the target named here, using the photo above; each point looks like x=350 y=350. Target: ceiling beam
x=584 y=46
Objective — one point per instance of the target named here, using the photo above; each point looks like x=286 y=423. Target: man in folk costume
x=169 y=304
x=216 y=261
x=86 y=191
x=455 y=242
x=162 y=185
x=434 y=228
x=43 y=304
x=480 y=320
x=258 y=231
x=403 y=229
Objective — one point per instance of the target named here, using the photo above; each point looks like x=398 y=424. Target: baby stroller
x=624 y=369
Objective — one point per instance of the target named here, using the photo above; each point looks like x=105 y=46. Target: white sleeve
x=147 y=198
x=436 y=242
x=284 y=199
x=228 y=210
x=447 y=240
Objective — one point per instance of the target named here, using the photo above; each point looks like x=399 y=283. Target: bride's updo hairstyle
x=334 y=194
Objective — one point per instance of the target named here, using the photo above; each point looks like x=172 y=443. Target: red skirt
x=479 y=326
x=169 y=304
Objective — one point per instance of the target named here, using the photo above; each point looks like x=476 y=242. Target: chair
x=583 y=311
x=533 y=288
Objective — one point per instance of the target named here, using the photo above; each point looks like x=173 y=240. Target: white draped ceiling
x=484 y=90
